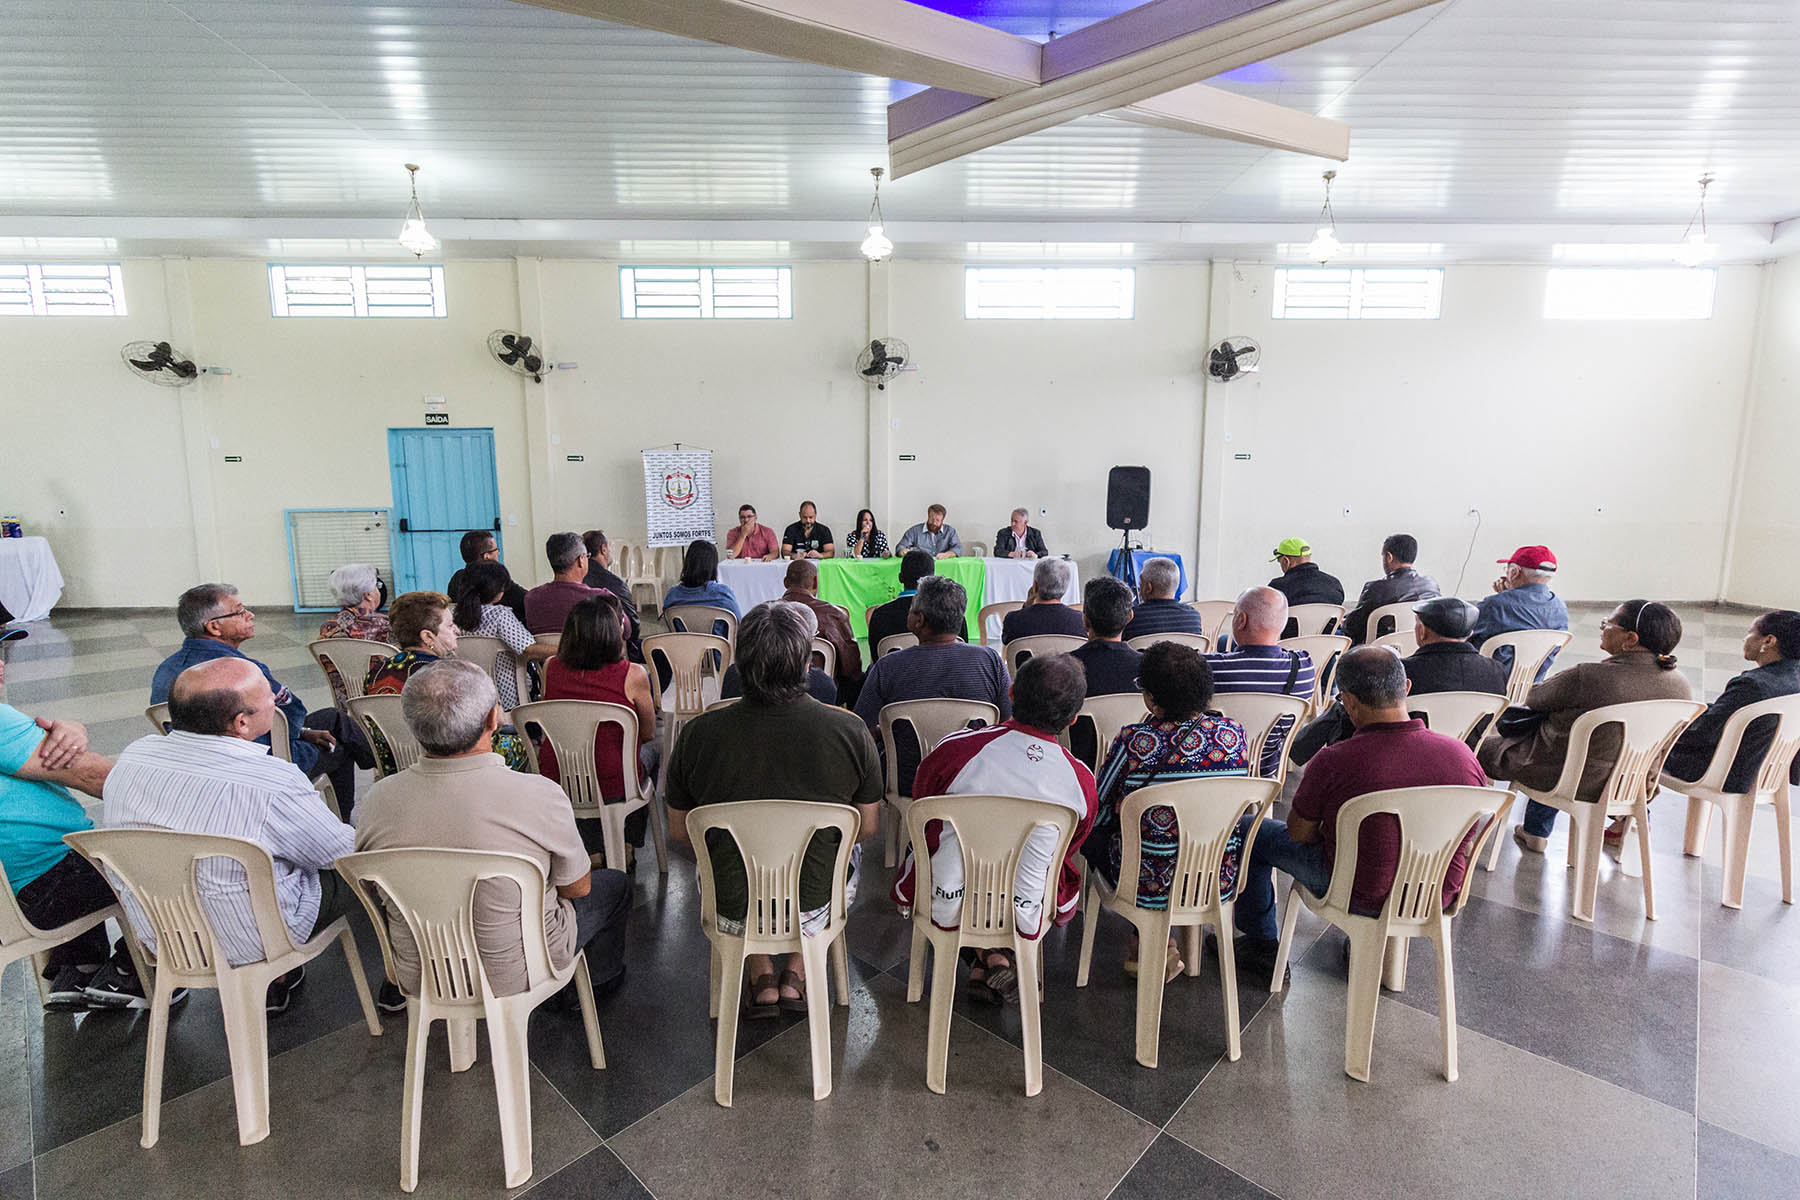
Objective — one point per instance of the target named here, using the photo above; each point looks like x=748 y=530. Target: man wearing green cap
x=1301 y=581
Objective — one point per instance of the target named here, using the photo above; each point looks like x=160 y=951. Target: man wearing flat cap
x=1444 y=662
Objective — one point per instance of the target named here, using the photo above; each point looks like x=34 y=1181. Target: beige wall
x=1765 y=562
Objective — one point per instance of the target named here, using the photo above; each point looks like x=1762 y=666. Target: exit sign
x=432 y=418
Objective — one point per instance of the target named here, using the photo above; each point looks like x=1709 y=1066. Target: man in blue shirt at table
x=933 y=536
x=1158 y=611
x=1522 y=599
x=215 y=625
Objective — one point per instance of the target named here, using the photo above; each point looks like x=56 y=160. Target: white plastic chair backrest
x=1433 y=823
x=1106 y=715
x=699 y=618
x=157 y=867
x=895 y=641
x=688 y=655
x=14 y=928
x=1455 y=714
x=771 y=837
x=1405 y=643
x=1401 y=614
x=1215 y=615
x=1020 y=649
x=433 y=892
x=991 y=832
x=484 y=651
x=727 y=702
x=1257 y=712
x=1314 y=619
x=826 y=655
x=931 y=722
x=158 y=716
x=351 y=658
x=278 y=738
x=571 y=727
x=1324 y=649
x=1777 y=761
x=998 y=611
x=1648 y=729
x=1207 y=812
x=383 y=714
x=1530 y=648
x=1198 y=641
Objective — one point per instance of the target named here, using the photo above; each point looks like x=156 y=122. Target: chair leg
x=890 y=836
x=412 y=1092
x=154 y=1051
x=612 y=836
x=590 y=1018
x=361 y=982
x=730 y=998
x=1191 y=950
x=713 y=983
x=840 y=970
x=1289 y=918
x=818 y=1013
x=937 y=1035
x=1153 y=960
x=1738 y=815
x=1393 y=964
x=915 y=963
x=1493 y=854
x=461 y=1032
x=1366 y=956
x=658 y=820
x=37 y=963
x=1028 y=953
x=1090 y=924
x=241 y=996
x=1440 y=941
x=1234 y=1047
x=1786 y=848
x=1584 y=854
x=506 y=1025
x=1699 y=816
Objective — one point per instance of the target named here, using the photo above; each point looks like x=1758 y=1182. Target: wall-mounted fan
x=517 y=353
x=160 y=363
x=882 y=359
x=1233 y=358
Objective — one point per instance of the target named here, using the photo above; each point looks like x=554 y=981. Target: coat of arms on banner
x=678 y=489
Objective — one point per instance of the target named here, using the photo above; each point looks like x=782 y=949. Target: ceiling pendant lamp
x=413 y=234
x=1324 y=246
x=877 y=245
x=1693 y=249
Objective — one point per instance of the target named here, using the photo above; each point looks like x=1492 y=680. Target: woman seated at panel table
x=700 y=584
x=590 y=664
x=868 y=541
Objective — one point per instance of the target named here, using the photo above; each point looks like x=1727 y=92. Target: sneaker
x=68 y=991
x=390 y=999
x=1531 y=843
x=282 y=989
x=112 y=988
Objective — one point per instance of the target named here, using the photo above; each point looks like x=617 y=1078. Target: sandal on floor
x=753 y=1011
x=794 y=1004
x=976 y=988
x=1003 y=979
x=1615 y=832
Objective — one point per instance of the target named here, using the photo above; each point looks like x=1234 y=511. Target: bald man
x=802 y=580
x=209 y=775
x=1257 y=664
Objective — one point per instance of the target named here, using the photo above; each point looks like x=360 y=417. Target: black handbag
x=1517 y=720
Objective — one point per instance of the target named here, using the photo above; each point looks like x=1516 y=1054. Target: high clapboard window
x=1050 y=293
x=325 y=290
x=1359 y=293
x=663 y=293
x=1629 y=294
x=61 y=290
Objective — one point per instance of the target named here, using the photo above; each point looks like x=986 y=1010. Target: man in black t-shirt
x=806 y=538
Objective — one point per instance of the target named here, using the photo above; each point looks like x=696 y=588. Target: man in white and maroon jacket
x=1018 y=757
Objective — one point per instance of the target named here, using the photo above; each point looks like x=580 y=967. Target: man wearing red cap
x=1522 y=599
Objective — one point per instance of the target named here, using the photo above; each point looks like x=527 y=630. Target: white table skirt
x=30 y=583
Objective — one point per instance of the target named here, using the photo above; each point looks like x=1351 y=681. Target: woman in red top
x=590 y=664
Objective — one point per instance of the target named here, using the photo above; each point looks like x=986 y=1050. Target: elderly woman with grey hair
x=775 y=742
x=357 y=587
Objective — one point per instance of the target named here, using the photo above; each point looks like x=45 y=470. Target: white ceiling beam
x=1141 y=54
x=890 y=38
x=1214 y=112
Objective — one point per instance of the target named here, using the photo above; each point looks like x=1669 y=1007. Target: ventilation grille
x=320 y=540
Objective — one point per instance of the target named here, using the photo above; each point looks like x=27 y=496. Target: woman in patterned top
x=868 y=541
x=479 y=611
x=1180 y=740
x=423 y=626
x=357 y=587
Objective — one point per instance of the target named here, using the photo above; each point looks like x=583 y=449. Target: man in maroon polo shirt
x=1388 y=750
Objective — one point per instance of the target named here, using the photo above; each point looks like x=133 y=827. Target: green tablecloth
x=859 y=584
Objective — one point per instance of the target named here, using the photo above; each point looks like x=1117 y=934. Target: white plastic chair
x=1200 y=642
x=931 y=722
x=1258 y=712
x=991 y=832
x=1455 y=714
x=1405 y=643
x=158 y=716
x=349 y=659
x=1434 y=821
x=484 y=651
x=1207 y=812
x=433 y=892
x=826 y=656
x=690 y=657
x=19 y=938
x=727 y=702
x=1106 y=715
x=895 y=641
x=1530 y=648
x=700 y=618
x=1401 y=614
x=1020 y=649
x=1215 y=616
x=642 y=579
x=1313 y=620
x=1324 y=649
x=1769 y=787
x=771 y=837
x=157 y=867
x=571 y=727
x=382 y=717
x=998 y=612
x=1648 y=729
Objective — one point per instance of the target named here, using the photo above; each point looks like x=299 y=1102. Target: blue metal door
x=444 y=486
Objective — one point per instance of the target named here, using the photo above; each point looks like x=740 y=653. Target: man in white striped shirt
x=209 y=775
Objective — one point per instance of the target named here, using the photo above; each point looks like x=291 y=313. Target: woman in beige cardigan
x=1639 y=638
